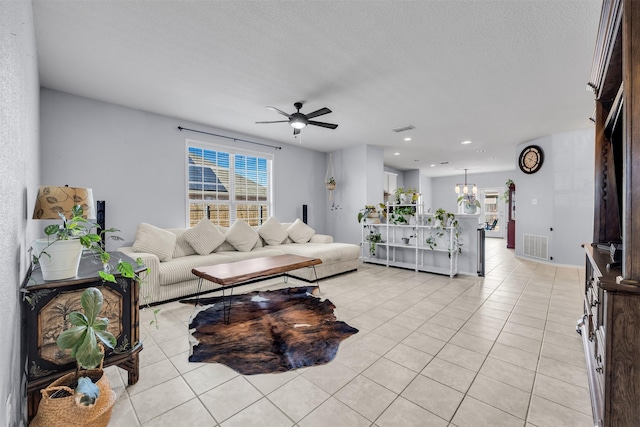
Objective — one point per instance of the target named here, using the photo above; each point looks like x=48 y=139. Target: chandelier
x=464 y=188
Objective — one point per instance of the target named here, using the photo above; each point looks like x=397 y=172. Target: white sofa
x=171 y=254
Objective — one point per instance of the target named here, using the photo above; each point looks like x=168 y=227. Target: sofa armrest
x=321 y=238
x=151 y=279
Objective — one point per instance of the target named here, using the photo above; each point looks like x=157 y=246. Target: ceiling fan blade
x=317 y=113
x=323 y=124
x=296 y=131
x=279 y=111
x=277 y=121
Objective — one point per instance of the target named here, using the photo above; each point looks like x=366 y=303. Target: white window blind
x=227 y=185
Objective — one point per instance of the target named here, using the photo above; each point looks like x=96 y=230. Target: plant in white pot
x=58 y=254
x=83 y=397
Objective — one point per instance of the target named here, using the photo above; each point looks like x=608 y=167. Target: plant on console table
x=78 y=233
x=469 y=202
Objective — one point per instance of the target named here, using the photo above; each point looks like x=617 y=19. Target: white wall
x=135 y=161
x=18 y=177
x=558 y=196
x=360 y=182
x=444 y=196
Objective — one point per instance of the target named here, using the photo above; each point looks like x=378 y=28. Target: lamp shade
x=52 y=201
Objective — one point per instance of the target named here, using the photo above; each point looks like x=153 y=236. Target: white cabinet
x=419 y=244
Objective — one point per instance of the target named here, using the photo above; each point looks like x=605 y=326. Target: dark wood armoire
x=610 y=325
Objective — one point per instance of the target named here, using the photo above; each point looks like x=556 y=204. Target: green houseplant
x=401 y=214
x=331 y=184
x=446 y=222
x=83 y=397
x=373 y=238
x=84 y=234
x=85 y=337
x=469 y=202
x=406 y=196
x=369 y=211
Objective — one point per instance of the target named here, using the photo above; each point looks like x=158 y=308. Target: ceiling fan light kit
x=299 y=120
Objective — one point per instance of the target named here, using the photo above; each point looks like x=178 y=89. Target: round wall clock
x=531 y=159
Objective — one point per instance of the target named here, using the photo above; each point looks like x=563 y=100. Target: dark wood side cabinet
x=610 y=326
x=46 y=309
x=610 y=331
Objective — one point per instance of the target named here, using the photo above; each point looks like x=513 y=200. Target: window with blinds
x=224 y=185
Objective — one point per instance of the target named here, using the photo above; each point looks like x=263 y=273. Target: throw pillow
x=272 y=232
x=300 y=232
x=183 y=248
x=154 y=240
x=242 y=236
x=204 y=237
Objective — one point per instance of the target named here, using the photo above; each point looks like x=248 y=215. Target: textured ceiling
x=497 y=73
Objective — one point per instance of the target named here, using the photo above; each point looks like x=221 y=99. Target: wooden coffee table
x=230 y=275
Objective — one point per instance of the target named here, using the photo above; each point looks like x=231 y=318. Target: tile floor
x=432 y=351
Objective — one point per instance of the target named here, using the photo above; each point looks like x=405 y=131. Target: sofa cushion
x=328 y=253
x=242 y=236
x=204 y=237
x=300 y=232
x=154 y=240
x=272 y=232
x=179 y=269
x=183 y=248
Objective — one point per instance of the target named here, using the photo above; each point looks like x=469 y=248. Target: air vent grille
x=536 y=246
x=404 y=128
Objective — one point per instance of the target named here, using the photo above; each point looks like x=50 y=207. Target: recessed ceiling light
x=433 y=166
x=465 y=142
x=396 y=154
x=407 y=139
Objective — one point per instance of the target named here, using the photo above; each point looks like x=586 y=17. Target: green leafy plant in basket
x=85 y=339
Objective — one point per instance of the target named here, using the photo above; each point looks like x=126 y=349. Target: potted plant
x=373 y=238
x=507 y=184
x=469 y=203
x=369 y=211
x=446 y=222
x=82 y=397
x=406 y=196
x=58 y=254
x=331 y=184
x=403 y=214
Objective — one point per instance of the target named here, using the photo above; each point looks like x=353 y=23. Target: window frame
x=232 y=203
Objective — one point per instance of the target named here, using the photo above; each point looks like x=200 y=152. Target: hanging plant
x=331 y=184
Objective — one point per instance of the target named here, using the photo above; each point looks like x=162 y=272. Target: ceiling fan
x=298 y=120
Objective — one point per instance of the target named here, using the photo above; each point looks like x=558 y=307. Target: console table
x=46 y=308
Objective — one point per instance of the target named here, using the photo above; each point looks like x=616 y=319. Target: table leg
x=226 y=306
x=316 y=276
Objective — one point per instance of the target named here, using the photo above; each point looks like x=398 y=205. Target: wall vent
x=536 y=246
x=404 y=128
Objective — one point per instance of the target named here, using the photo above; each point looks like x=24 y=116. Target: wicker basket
x=64 y=412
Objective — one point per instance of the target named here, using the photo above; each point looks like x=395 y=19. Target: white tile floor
x=431 y=351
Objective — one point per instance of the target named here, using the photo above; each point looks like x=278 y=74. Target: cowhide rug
x=268 y=331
